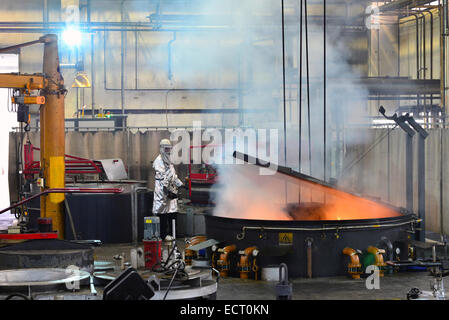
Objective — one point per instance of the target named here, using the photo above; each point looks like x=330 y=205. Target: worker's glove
x=170 y=194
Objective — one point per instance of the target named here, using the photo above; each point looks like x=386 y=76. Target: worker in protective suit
x=165 y=202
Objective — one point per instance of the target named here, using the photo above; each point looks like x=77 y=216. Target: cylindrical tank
x=287 y=241
x=107 y=217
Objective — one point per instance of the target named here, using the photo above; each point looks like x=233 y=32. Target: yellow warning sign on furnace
x=286 y=238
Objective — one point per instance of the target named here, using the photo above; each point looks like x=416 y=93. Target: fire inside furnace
x=245 y=194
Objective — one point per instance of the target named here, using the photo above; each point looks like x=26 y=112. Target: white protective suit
x=165 y=180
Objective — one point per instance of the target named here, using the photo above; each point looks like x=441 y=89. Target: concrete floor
x=392 y=286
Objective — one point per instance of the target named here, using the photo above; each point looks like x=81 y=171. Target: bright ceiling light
x=72 y=37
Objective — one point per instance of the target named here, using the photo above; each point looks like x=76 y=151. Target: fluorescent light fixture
x=72 y=37
x=383 y=121
x=387 y=121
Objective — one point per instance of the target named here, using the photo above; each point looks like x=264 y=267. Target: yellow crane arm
x=30 y=82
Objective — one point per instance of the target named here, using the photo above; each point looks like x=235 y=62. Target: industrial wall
x=375 y=169
x=236 y=79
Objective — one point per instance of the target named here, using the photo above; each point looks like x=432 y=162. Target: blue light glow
x=71 y=37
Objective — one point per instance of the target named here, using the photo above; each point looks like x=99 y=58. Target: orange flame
x=248 y=195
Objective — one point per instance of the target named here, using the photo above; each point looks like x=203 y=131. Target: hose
x=162 y=266
x=169 y=256
x=180 y=264
x=255 y=269
x=69 y=213
x=19 y=295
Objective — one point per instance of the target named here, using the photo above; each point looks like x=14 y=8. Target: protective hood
x=165 y=150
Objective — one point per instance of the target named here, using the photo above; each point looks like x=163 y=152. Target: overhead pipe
x=96 y=29
x=184 y=111
x=283 y=82
x=136 y=60
x=418 y=47
x=423 y=48
x=240 y=95
x=324 y=86
x=300 y=87
x=92 y=57
x=429 y=11
x=122 y=61
x=308 y=86
x=446 y=8
x=442 y=106
x=399 y=4
x=417 y=42
x=444 y=21
x=418 y=65
x=105 y=77
x=242 y=235
x=399 y=48
x=170 y=73
x=45 y=12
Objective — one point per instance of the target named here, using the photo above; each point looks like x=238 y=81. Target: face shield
x=165 y=153
x=166 y=149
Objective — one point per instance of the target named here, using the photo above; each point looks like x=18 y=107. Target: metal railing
x=63 y=190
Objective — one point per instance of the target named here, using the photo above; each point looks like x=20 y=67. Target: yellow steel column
x=52 y=135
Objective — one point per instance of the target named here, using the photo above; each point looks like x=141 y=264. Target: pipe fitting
x=354 y=265
x=224 y=261
x=379 y=258
x=246 y=263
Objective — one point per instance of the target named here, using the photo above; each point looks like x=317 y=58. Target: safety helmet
x=165 y=142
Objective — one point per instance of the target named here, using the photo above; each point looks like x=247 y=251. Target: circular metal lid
x=40 y=276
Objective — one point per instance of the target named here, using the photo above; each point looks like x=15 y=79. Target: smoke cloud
x=245 y=53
